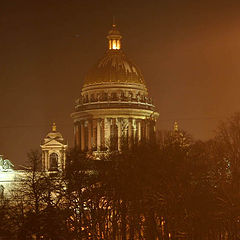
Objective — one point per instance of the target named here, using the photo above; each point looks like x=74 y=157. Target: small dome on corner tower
x=54 y=134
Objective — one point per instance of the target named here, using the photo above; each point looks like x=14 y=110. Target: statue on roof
x=5 y=164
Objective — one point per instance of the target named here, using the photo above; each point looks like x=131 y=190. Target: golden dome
x=54 y=134
x=115 y=66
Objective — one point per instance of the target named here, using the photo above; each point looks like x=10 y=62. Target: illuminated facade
x=114 y=108
x=53 y=151
x=8 y=176
x=53 y=160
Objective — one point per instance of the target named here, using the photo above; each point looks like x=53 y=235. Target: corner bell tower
x=53 y=151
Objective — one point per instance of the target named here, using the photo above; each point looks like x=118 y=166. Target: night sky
x=188 y=51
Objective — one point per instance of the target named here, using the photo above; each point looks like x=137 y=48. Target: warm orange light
x=118 y=44
x=114 y=37
x=114 y=44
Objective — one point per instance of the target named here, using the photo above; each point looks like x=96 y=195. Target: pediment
x=53 y=142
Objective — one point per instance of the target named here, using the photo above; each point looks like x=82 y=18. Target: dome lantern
x=114 y=38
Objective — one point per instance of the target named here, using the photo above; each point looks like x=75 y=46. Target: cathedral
x=113 y=111
x=114 y=108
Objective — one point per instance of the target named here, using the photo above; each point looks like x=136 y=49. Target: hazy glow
x=114 y=46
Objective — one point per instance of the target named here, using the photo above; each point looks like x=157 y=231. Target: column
x=94 y=126
x=107 y=132
x=64 y=159
x=102 y=127
x=134 y=131
x=89 y=135
x=114 y=134
x=77 y=135
x=147 y=130
x=98 y=134
x=60 y=160
x=139 y=131
x=130 y=133
x=119 y=125
x=143 y=130
x=82 y=137
x=43 y=160
x=154 y=132
x=47 y=161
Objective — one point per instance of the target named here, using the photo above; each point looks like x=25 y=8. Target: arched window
x=53 y=162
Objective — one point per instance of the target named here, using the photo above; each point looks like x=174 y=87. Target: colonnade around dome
x=112 y=133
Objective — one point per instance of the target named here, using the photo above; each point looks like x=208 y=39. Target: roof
x=114 y=67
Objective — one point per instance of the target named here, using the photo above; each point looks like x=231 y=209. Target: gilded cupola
x=114 y=66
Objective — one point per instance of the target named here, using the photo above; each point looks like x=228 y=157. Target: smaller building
x=53 y=160
x=53 y=151
x=8 y=176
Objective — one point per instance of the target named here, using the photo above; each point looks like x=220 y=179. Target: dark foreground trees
x=180 y=189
